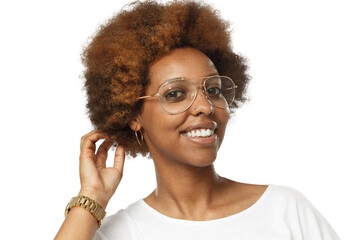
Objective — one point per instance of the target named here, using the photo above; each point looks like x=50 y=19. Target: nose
x=201 y=104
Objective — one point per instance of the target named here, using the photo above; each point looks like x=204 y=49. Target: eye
x=175 y=95
x=213 y=91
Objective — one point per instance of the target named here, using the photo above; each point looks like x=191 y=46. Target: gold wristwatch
x=90 y=205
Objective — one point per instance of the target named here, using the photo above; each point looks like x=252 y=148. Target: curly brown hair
x=117 y=59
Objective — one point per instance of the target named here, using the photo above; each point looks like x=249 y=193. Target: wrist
x=89 y=205
x=97 y=196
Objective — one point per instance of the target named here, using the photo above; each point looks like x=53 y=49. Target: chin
x=201 y=161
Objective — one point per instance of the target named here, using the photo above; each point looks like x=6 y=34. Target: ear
x=135 y=124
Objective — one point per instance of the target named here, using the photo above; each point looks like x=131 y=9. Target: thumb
x=119 y=158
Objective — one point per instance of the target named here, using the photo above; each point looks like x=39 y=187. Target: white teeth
x=208 y=132
x=200 y=133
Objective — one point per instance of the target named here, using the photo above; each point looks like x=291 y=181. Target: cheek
x=157 y=123
x=223 y=117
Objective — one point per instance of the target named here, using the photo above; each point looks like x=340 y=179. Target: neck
x=186 y=190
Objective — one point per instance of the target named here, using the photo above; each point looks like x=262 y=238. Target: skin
x=187 y=185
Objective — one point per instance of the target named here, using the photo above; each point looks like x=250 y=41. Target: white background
x=300 y=128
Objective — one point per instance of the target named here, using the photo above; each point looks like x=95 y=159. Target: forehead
x=187 y=63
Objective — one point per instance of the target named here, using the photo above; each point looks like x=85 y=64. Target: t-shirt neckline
x=166 y=218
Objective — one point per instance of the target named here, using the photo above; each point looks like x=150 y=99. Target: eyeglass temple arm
x=149 y=96
x=235 y=86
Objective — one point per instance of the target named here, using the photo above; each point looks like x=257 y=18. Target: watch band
x=90 y=205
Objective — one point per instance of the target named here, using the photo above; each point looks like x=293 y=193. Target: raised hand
x=98 y=181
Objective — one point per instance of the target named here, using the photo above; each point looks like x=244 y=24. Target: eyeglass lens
x=178 y=95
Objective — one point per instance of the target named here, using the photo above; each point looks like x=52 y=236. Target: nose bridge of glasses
x=201 y=86
x=203 y=90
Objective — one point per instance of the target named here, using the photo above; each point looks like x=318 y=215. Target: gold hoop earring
x=137 y=137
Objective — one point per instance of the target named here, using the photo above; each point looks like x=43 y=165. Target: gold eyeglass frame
x=202 y=87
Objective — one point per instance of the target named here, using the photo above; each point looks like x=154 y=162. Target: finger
x=88 y=147
x=90 y=140
x=102 y=153
x=83 y=137
x=87 y=135
x=119 y=158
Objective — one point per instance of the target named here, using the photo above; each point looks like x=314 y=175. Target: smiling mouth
x=203 y=132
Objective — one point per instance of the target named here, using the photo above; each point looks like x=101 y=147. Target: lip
x=201 y=140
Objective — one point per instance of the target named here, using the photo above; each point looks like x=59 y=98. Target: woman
x=163 y=80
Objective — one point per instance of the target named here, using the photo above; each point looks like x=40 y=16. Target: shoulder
x=267 y=196
x=298 y=212
x=285 y=193
x=286 y=200
x=290 y=199
x=110 y=229
x=284 y=209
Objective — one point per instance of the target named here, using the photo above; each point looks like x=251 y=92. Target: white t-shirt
x=280 y=213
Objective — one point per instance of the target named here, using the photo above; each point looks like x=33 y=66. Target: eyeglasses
x=177 y=95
